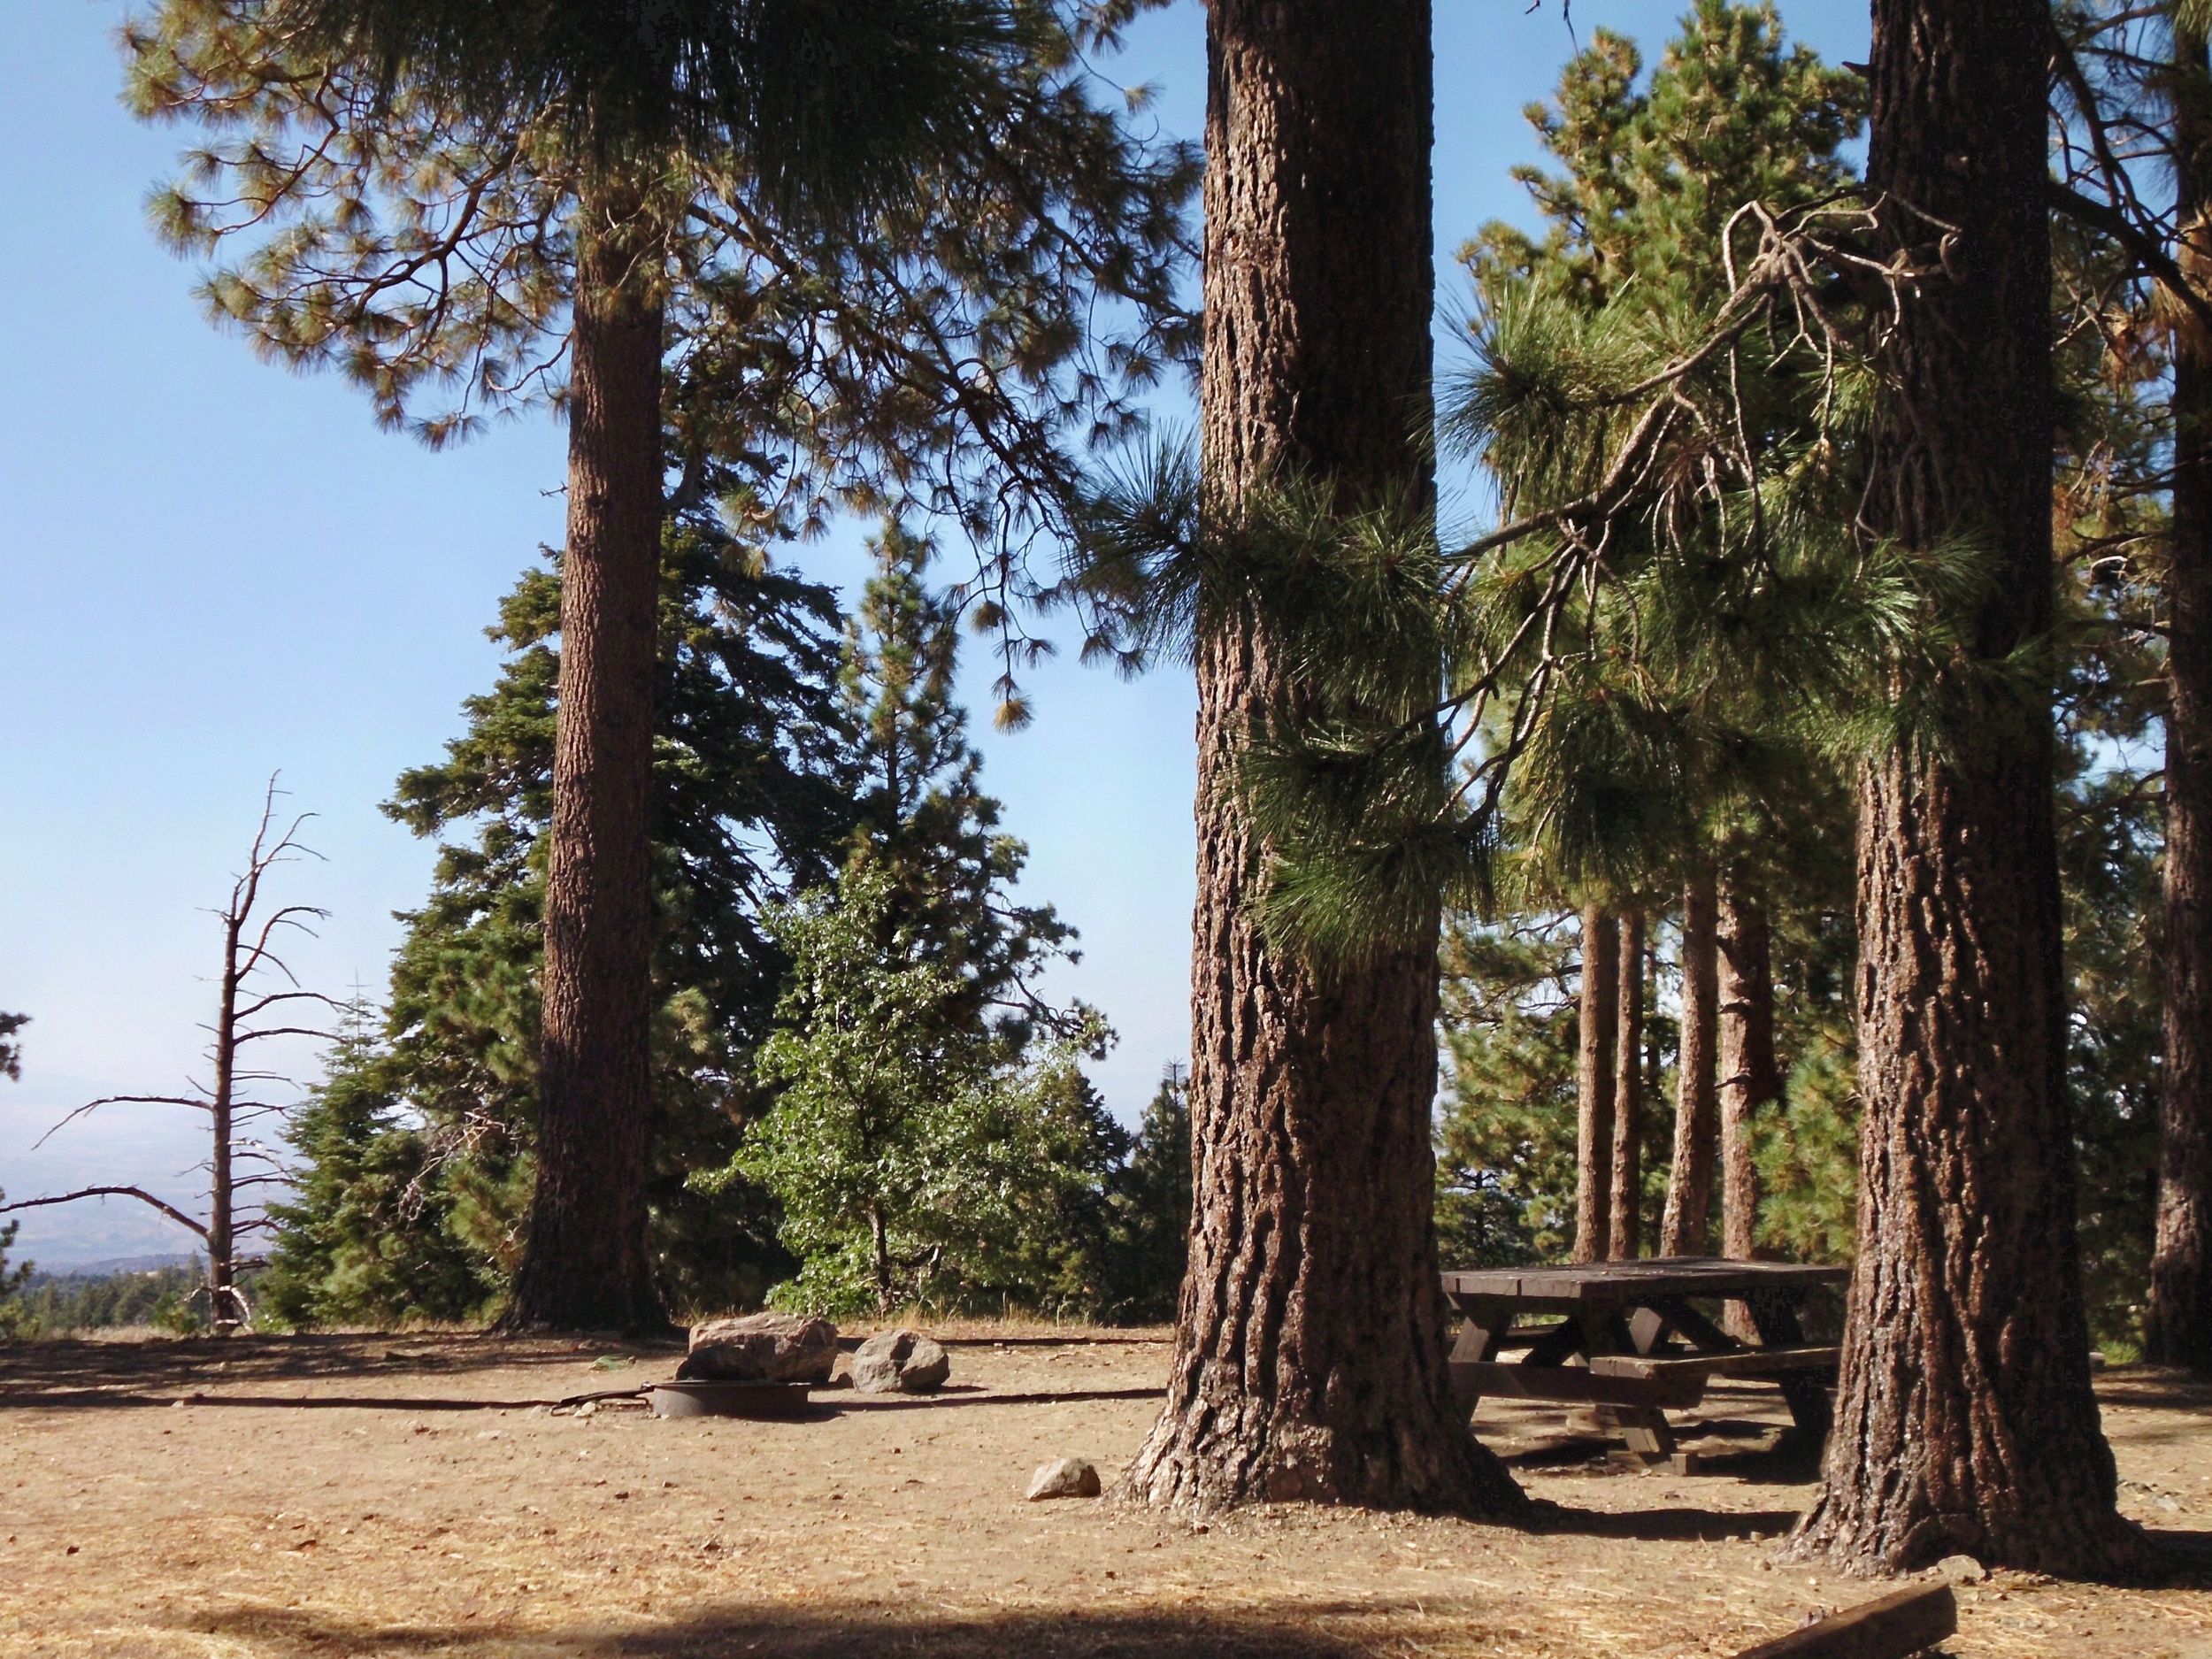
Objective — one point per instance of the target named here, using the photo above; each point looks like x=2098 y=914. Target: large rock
x=761 y=1348
x=899 y=1363
x=1069 y=1478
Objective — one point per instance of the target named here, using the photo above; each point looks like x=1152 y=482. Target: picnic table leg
x=1774 y=1313
x=1480 y=1337
x=1645 y=1428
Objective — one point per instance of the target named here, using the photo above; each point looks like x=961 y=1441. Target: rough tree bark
x=1686 y=1230
x=1627 y=1205
x=1749 y=1076
x=1965 y=1423
x=2178 y=1330
x=584 y=1265
x=1598 y=1027
x=1309 y=1359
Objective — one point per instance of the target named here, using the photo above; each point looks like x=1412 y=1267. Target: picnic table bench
x=1645 y=1349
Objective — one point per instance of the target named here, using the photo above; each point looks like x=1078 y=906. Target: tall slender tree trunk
x=584 y=1265
x=1965 y=1423
x=1598 y=1027
x=1309 y=1359
x=223 y=1305
x=2179 y=1327
x=1687 y=1229
x=1628 y=1096
x=1749 y=1076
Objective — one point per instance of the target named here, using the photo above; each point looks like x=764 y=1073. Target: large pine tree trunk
x=1965 y=1423
x=2179 y=1328
x=1627 y=1205
x=1685 y=1229
x=1309 y=1359
x=584 y=1265
x=1598 y=1027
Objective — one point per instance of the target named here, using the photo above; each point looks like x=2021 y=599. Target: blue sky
x=211 y=569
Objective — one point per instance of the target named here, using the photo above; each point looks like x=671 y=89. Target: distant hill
x=110 y=1266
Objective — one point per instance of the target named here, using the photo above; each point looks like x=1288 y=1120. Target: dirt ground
x=393 y=1496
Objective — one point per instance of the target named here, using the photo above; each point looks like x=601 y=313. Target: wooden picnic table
x=1645 y=1347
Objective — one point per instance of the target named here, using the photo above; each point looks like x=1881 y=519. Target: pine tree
x=1311 y=1084
x=917 y=1146
x=752 y=786
x=1646 y=780
x=917 y=1153
x=1150 y=1198
x=2135 y=280
x=13 y=1280
x=827 y=221
x=926 y=822
x=1965 y=1421
x=370 y=1236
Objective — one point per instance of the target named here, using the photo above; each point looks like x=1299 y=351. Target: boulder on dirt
x=900 y=1362
x=1069 y=1478
x=1959 y=1570
x=761 y=1348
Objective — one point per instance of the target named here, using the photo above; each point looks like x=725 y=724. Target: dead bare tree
x=240 y=1160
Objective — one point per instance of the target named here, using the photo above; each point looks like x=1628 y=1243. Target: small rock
x=761 y=1348
x=899 y=1362
x=1961 y=1569
x=1069 y=1478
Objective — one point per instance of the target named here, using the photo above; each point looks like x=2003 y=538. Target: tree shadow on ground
x=73 y=1371
x=2185 y=1556
x=1677 y=1524
x=1306 y=1631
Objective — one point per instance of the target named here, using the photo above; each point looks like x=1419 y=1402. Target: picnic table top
x=1629 y=1282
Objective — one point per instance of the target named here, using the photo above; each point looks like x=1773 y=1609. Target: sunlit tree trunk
x=1598 y=1023
x=1687 y=1226
x=1309 y=1358
x=1965 y=1423
x=1627 y=1211
x=2178 y=1331
x=584 y=1265
x=1749 y=1077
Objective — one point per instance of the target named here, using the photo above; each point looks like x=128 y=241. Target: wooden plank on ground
x=1894 y=1627
x=1574 y=1383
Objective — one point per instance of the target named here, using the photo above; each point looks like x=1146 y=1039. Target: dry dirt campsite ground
x=412 y=1494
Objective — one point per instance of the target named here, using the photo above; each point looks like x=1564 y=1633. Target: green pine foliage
x=925 y=820
x=1008 y=299
x=15 y=1318
x=12 y=1045
x=417 y=1147
x=932 y=1139
x=1505 y=1148
x=917 y=1154
x=1149 y=1195
x=373 y=1232
x=1703 y=683
x=1654 y=170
